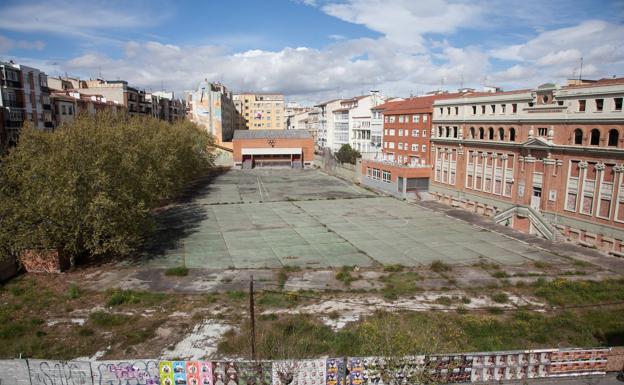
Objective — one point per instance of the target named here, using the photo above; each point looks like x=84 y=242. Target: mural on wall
x=299 y=372
x=136 y=372
x=456 y=368
x=336 y=373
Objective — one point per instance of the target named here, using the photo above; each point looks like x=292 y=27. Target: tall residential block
x=211 y=106
x=261 y=111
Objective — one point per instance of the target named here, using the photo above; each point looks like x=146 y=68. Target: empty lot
x=272 y=218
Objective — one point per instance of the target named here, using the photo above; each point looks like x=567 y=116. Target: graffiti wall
x=453 y=368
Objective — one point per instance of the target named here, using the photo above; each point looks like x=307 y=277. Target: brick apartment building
x=547 y=161
x=404 y=165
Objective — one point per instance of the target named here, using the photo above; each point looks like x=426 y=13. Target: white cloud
x=7 y=44
x=405 y=21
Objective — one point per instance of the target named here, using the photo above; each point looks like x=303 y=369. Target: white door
x=536 y=198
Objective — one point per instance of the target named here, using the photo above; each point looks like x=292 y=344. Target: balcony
x=11 y=83
x=12 y=103
x=47 y=107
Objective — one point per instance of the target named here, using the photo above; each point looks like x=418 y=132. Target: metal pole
x=252 y=318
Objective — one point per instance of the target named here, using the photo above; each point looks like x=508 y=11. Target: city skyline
x=317 y=50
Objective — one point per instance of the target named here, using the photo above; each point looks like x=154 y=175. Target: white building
x=325 y=132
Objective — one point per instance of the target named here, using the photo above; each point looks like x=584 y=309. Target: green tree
x=347 y=154
x=87 y=188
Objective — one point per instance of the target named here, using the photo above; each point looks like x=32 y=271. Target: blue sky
x=313 y=50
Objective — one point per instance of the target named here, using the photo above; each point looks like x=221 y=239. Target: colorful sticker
x=166 y=373
x=335 y=371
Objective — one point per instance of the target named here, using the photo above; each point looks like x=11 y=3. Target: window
x=71 y=110
x=493 y=106
x=63 y=110
x=401 y=132
x=405 y=146
x=391 y=145
x=490 y=133
x=514 y=108
x=415 y=118
x=456 y=110
x=386 y=176
x=441 y=111
x=439 y=131
x=391 y=132
x=595 y=137
x=455 y=132
x=578 y=136
x=480 y=132
x=448 y=110
x=400 y=145
x=503 y=108
x=512 y=134
x=392 y=119
x=599 y=104
x=474 y=110
x=415 y=133
x=448 y=131
x=424 y=118
x=424 y=148
x=401 y=119
x=501 y=133
x=386 y=131
x=425 y=132
x=414 y=147
x=542 y=131
x=618 y=104
x=483 y=109
x=472 y=132
x=581 y=105
x=386 y=119
x=614 y=135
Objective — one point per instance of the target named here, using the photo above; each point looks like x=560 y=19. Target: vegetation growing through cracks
x=87 y=188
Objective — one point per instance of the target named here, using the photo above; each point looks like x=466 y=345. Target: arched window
x=491 y=133
x=501 y=133
x=512 y=134
x=480 y=132
x=439 y=131
x=448 y=131
x=614 y=136
x=578 y=136
x=472 y=133
x=595 y=137
x=454 y=132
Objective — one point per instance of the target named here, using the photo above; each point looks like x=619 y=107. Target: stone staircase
x=540 y=224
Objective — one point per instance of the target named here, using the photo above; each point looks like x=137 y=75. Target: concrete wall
x=345 y=171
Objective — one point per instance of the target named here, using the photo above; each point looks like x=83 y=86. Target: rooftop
x=416 y=104
x=272 y=134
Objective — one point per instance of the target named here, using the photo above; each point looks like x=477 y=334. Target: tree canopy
x=347 y=154
x=87 y=188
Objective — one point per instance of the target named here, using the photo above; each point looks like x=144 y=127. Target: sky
x=316 y=50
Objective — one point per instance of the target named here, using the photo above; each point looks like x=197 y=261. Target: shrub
x=393 y=268
x=500 y=297
x=73 y=291
x=440 y=267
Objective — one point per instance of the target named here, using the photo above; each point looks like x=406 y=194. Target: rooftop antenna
x=581 y=70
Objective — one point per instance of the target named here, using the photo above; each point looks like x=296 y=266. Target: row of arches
x=491 y=134
x=613 y=137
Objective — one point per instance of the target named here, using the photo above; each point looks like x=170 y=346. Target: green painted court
x=272 y=218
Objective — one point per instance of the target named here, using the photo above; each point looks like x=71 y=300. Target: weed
x=236 y=295
x=500 y=274
x=465 y=300
x=400 y=284
x=541 y=265
x=119 y=297
x=440 y=267
x=73 y=291
x=494 y=310
x=344 y=275
x=500 y=297
x=444 y=300
x=178 y=271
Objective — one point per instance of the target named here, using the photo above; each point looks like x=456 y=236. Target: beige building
x=262 y=111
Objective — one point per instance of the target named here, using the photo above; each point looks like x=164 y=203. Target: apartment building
x=325 y=131
x=212 y=106
x=403 y=166
x=70 y=103
x=165 y=106
x=547 y=161
x=262 y=111
x=24 y=97
x=292 y=110
x=134 y=99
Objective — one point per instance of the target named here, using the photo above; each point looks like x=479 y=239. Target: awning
x=271 y=151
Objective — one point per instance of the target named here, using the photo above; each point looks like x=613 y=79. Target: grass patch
x=440 y=267
x=282 y=275
x=73 y=291
x=278 y=300
x=400 y=284
x=541 y=265
x=236 y=295
x=105 y=319
x=500 y=274
x=178 y=271
x=565 y=292
x=444 y=300
x=119 y=297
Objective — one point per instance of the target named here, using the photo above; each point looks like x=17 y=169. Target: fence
x=452 y=368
